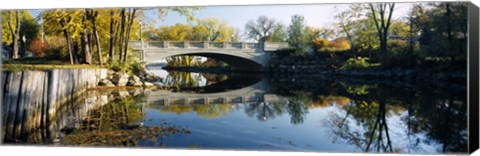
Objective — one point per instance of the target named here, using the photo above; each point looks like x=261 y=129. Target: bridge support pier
x=186 y=101
x=225 y=100
x=205 y=100
x=166 y=102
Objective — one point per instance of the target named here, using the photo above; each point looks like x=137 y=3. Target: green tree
x=177 y=32
x=318 y=37
x=366 y=35
x=216 y=30
x=29 y=28
x=15 y=25
x=89 y=31
x=187 y=12
x=348 y=21
x=297 y=37
x=382 y=15
x=279 y=34
x=441 y=37
x=200 y=33
x=66 y=22
x=260 y=29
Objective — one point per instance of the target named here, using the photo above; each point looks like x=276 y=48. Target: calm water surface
x=259 y=112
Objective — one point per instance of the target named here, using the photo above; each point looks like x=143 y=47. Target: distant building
x=395 y=37
x=6 y=51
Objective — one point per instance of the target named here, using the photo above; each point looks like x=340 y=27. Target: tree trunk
x=383 y=26
x=370 y=51
x=76 y=56
x=127 y=37
x=352 y=47
x=93 y=19
x=91 y=40
x=122 y=32
x=69 y=42
x=410 y=42
x=86 y=48
x=384 y=42
x=85 y=42
x=15 y=33
x=111 y=52
x=118 y=36
x=449 y=30
x=42 y=31
x=99 y=49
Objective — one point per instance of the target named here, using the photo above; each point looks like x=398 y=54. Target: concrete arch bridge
x=241 y=56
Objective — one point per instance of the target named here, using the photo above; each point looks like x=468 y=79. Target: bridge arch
x=241 y=56
x=236 y=62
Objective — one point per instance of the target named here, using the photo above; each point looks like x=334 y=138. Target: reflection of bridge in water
x=257 y=92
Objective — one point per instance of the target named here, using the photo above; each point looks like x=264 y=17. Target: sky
x=316 y=15
x=237 y=16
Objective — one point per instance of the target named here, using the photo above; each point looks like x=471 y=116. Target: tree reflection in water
x=191 y=80
x=119 y=123
x=183 y=79
x=264 y=110
x=371 y=117
x=295 y=106
x=208 y=111
x=423 y=122
x=381 y=125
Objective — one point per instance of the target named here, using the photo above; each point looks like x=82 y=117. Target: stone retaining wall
x=40 y=94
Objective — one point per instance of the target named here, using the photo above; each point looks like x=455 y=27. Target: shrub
x=320 y=43
x=356 y=63
x=117 y=66
x=136 y=67
x=56 y=47
x=37 y=47
x=397 y=47
x=132 y=67
x=340 y=44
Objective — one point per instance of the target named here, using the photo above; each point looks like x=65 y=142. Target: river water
x=275 y=113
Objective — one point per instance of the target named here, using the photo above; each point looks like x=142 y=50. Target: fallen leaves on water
x=121 y=137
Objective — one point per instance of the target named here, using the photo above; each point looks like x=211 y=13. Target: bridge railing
x=135 y=44
x=272 y=46
x=193 y=45
x=268 y=46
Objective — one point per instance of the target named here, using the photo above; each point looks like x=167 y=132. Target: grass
x=40 y=64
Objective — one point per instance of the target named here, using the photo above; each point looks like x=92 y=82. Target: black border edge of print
x=473 y=77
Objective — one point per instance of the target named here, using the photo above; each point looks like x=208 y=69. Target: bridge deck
x=269 y=46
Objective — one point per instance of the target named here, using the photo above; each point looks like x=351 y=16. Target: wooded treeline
x=368 y=32
x=82 y=36
x=363 y=32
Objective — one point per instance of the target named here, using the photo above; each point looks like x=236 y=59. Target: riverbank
x=122 y=79
x=23 y=67
x=424 y=72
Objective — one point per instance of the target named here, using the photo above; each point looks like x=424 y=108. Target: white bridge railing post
x=185 y=44
x=143 y=50
x=165 y=44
